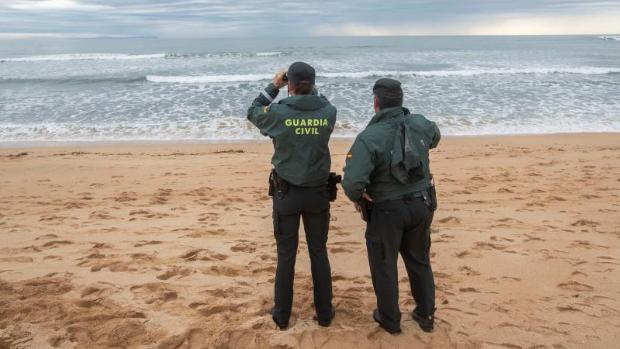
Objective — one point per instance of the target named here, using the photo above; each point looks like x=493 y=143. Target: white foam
x=268 y=54
x=83 y=56
x=475 y=72
x=204 y=79
x=605 y=37
x=238 y=128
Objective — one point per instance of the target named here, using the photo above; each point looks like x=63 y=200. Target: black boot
x=281 y=325
x=328 y=322
x=426 y=322
x=377 y=317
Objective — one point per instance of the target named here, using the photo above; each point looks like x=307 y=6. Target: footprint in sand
x=148 y=214
x=449 y=220
x=85 y=196
x=535 y=204
x=202 y=233
x=56 y=243
x=97 y=261
x=53 y=258
x=215 y=309
x=31 y=249
x=575 y=286
x=482 y=245
x=126 y=196
x=102 y=214
x=467 y=253
x=74 y=204
x=201 y=254
x=97 y=292
x=226 y=293
x=146 y=243
x=257 y=268
x=244 y=246
x=468 y=290
x=509 y=220
x=468 y=270
x=154 y=293
x=585 y=223
x=161 y=196
x=101 y=245
x=209 y=216
x=54 y=218
x=47 y=237
x=529 y=238
x=175 y=271
x=225 y=270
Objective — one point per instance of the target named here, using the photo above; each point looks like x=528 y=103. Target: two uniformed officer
x=300 y=127
x=387 y=173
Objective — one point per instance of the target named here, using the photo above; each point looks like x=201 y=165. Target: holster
x=433 y=195
x=332 y=180
x=365 y=209
x=277 y=184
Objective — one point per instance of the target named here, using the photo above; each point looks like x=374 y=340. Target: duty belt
x=422 y=194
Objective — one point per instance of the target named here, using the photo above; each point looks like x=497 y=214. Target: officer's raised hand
x=278 y=79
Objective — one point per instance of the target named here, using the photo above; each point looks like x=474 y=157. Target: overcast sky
x=253 y=18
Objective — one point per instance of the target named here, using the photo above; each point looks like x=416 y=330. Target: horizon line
x=61 y=36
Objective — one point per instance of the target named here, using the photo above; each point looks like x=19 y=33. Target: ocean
x=143 y=89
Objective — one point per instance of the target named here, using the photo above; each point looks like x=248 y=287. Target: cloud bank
x=253 y=18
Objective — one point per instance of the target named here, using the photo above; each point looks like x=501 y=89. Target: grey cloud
x=269 y=17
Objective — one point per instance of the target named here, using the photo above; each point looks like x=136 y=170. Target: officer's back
x=300 y=127
x=388 y=176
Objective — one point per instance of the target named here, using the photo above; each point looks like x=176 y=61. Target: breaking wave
x=82 y=56
x=202 y=79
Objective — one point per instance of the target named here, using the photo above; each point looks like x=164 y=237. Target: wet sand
x=171 y=246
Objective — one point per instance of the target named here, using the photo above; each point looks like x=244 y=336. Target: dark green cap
x=388 y=88
x=300 y=71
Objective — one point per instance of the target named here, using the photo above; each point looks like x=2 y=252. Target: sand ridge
x=171 y=246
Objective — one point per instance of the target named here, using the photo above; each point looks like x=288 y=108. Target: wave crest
x=83 y=56
x=203 y=79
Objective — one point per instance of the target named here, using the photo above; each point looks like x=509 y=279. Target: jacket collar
x=388 y=113
x=305 y=102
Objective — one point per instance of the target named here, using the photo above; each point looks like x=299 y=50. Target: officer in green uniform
x=387 y=175
x=300 y=127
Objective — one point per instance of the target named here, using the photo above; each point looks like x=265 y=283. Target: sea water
x=155 y=89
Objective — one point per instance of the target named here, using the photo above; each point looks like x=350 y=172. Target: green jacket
x=300 y=127
x=390 y=158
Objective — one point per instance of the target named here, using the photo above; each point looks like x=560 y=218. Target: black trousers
x=400 y=226
x=311 y=204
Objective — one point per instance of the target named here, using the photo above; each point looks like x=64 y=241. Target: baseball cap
x=300 y=71
x=388 y=88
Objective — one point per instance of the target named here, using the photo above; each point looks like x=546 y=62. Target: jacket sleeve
x=259 y=112
x=436 y=136
x=360 y=164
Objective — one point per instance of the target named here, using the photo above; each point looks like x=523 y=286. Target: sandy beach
x=171 y=246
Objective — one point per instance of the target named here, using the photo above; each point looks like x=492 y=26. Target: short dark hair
x=389 y=93
x=303 y=88
x=389 y=102
x=302 y=76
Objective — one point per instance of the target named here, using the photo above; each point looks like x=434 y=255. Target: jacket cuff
x=354 y=196
x=270 y=92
